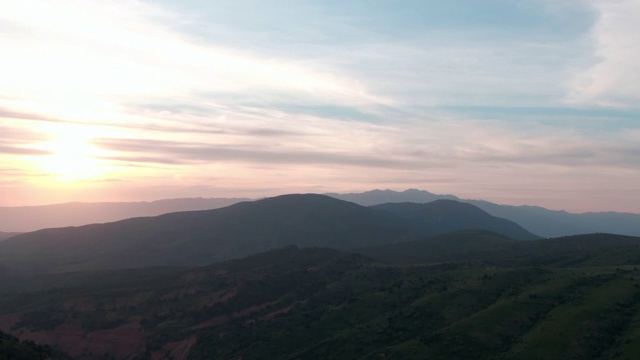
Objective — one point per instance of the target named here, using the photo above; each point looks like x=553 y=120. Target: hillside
x=32 y=218
x=443 y=216
x=316 y=303
x=6 y=235
x=204 y=237
x=499 y=250
x=13 y=349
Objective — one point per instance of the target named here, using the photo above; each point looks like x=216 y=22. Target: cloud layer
x=529 y=102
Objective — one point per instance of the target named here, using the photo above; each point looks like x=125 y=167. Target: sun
x=71 y=156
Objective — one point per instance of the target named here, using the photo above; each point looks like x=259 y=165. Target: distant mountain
x=31 y=218
x=553 y=223
x=203 y=237
x=443 y=216
x=6 y=235
x=538 y=220
x=376 y=197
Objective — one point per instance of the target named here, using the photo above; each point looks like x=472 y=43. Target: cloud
x=185 y=153
x=80 y=60
x=614 y=79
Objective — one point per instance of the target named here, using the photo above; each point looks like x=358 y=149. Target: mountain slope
x=6 y=235
x=376 y=197
x=203 y=237
x=553 y=223
x=592 y=249
x=443 y=216
x=538 y=220
x=32 y=218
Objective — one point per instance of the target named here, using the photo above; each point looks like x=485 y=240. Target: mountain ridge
x=207 y=236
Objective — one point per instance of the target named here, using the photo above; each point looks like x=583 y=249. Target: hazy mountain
x=538 y=220
x=313 y=304
x=376 y=197
x=443 y=216
x=31 y=218
x=553 y=223
x=6 y=235
x=203 y=237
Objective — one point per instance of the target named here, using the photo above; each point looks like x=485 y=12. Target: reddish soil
x=216 y=321
x=123 y=341
x=273 y=314
x=177 y=350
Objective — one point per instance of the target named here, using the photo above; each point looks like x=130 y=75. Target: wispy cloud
x=614 y=78
x=184 y=97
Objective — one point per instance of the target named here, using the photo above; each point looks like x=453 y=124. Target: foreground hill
x=13 y=349
x=493 y=248
x=443 y=216
x=323 y=304
x=204 y=237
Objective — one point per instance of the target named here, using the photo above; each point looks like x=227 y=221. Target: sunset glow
x=527 y=102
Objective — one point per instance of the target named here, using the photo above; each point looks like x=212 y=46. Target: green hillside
x=568 y=298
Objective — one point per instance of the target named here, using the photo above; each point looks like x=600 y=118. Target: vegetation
x=565 y=298
x=445 y=216
x=13 y=349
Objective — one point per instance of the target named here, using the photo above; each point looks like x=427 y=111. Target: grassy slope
x=319 y=304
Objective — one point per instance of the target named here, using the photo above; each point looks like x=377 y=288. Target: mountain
x=538 y=220
x=6 y=235
x=203 y=237
x=316 y=303
x=376 y=197
x=443 y=216
x=31 y=218
x=553 y=223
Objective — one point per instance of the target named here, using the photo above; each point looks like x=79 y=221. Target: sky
x=517 y=102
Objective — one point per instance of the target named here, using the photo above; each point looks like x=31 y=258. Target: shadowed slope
x=443 y=216
x=202 y=237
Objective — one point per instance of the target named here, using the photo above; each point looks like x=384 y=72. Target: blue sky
x=519 y=102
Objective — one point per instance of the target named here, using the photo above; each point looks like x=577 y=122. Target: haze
x=516 y=102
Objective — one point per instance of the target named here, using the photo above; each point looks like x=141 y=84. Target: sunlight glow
x=73 y=157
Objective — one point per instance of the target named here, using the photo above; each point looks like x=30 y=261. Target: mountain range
x=203 y=237
x=308 y=276
x=538 y=220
